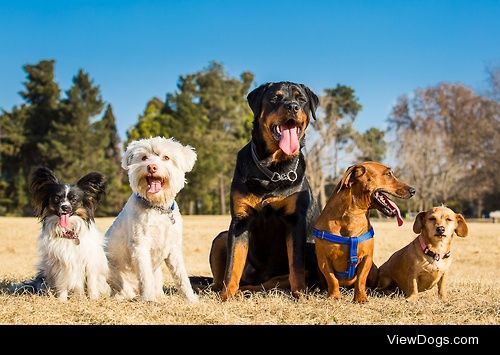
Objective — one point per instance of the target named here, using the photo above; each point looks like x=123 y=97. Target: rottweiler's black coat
x=272 y=207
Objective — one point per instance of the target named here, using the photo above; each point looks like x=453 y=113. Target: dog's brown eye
x=165 y=157
x=432 y=219
x=277 y=98
x=449 y=219
x=144 y=158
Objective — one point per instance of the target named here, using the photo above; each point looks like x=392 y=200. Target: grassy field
x=474 y=296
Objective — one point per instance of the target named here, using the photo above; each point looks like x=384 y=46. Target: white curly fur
x=141 y=238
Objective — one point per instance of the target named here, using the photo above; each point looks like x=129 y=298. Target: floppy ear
x=419 y=223
x=186 y=163
x=312 y=99
x=42 y=179
x=351 y=174
x=128 y=155
x=94 y=186
x=255 y=98
x=462 y=230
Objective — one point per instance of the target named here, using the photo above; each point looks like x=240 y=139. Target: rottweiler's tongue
x=154 y=186
x=64 y=220
x=289 y=141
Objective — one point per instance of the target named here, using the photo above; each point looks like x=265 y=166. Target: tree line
x=75 y=132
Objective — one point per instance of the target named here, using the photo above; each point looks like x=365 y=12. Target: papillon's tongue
x=64 y=220
x=289 y=141
x=154 y=186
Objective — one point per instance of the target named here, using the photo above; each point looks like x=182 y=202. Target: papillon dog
x=70 y=246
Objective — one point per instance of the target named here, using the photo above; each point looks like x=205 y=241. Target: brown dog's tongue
x=399 y=218
x=289 y=141
x=398 y=212
x=64 y=220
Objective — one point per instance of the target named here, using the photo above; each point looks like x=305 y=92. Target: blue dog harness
x=353 y=248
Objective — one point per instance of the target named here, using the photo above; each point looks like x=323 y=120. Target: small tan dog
x=424 y=262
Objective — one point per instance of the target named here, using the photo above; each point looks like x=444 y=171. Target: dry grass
x=473 y=289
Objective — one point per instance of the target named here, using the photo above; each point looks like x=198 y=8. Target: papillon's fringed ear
x=94 y=186
x=418 y=225
x=312 y=99
x=255 y=98
x=351 y=174
x=41 y=177
x=41 y=181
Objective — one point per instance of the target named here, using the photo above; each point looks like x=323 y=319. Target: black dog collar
x=272 y=175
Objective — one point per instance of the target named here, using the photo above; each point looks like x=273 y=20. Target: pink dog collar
x=428 y=252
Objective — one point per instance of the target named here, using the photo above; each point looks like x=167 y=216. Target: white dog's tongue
x=154 y=186
x=289 y=141
x=64 y=220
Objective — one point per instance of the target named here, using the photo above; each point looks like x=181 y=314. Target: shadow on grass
x=35 y=286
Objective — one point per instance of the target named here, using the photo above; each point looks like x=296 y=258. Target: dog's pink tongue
x=154 y=186
x=64 y=220
x=399 y=218
x=289 y=141
x=398 y=212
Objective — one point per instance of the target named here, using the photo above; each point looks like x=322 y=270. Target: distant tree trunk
x=322 y=192
x=191 y=207
x=222 y=195
x=479 y=207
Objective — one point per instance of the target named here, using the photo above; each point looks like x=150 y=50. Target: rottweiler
x=272 y=207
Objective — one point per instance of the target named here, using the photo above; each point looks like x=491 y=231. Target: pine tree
x=70 y=142
x=12 y=180
x=42 y=96
x=108 y=141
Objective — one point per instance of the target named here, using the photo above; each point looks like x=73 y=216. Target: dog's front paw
x=412 y=298
x=360 y=298
x=336 y=295
x=298 y=295
x=148 y=296
x=227 y=293
x=192 y=298
x=62 y=296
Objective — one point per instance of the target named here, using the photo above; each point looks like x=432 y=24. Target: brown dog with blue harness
x=343 y=233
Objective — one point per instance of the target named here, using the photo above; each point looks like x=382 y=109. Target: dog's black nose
x=152 y=168
x=440 y=230
x=66 y=208
x=412 y=190
x=293 y=107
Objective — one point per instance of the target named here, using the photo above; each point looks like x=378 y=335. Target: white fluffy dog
x=149 y=228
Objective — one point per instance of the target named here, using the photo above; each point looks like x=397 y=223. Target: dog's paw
x=227 y=293
x=63 y=296
x=193 y=299
x=335 y=296
x=412 y=298
x=148 y=296
x=360 y=298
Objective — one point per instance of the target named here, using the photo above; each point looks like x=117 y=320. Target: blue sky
x=135 y=50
